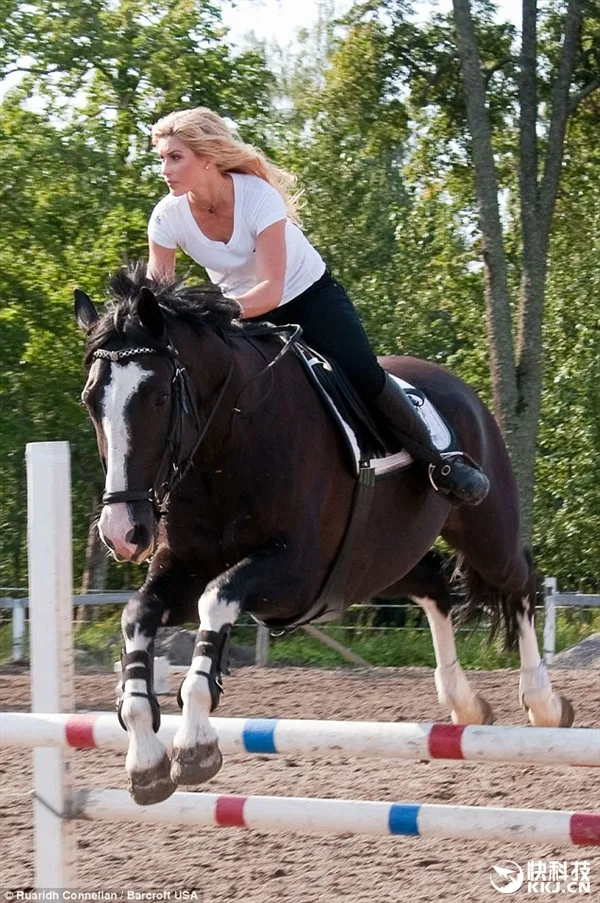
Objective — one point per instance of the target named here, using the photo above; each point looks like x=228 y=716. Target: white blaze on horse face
x=124 y=382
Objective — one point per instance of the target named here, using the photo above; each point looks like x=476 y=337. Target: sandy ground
x=237 y=865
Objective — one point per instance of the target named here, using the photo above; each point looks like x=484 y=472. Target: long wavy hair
x=208 y=135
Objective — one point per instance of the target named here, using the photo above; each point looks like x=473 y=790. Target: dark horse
x=249 y=472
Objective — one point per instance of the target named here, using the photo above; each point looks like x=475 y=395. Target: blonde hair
x=207 y=134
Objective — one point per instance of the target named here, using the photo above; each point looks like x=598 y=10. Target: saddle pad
x=440 y=433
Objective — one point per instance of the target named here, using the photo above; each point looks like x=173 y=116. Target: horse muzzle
x=129 y=534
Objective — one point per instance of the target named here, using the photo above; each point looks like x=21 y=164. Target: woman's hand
x=270 y=272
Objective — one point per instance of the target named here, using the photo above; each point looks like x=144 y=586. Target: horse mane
x=199 y=306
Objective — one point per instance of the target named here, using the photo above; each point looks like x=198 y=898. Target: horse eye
x=161 y=399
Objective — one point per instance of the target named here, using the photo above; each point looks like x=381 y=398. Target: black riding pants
x=331 y=326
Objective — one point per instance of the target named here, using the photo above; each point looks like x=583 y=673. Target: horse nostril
x=139 y=536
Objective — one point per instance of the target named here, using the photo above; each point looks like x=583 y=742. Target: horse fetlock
x=196 y=756
x=194 y=692
x=456 y=695
x=543 y=706
x=135 y=713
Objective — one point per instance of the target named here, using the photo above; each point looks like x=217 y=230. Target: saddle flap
x=361 y=437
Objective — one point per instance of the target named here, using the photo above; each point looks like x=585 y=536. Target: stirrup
x=446 y=469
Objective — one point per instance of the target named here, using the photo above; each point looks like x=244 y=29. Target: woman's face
x=181 y=168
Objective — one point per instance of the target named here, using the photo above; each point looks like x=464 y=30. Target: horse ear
x=85 y=311
x=150 y=314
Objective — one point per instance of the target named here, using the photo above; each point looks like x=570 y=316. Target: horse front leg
x=264 y=575
x=168 y=585
x=147 y=763
x=196 y=755
x=543 y=706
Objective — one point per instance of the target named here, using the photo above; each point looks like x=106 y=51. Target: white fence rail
x=553 y=600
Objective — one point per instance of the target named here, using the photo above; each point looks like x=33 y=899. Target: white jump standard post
x=50 y=602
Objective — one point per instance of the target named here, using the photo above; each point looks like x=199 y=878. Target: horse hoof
x=196 y=765
x=567 y=716
x=152 y=786
x=566 y=719
x=482 y=714
x=487 y=712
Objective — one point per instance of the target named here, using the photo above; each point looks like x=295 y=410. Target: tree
x=78 y=182
x=417 y=276
x=517 y=372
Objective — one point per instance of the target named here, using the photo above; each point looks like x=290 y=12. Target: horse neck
x=214 y=380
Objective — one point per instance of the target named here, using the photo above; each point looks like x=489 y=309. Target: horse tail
x=481 y=600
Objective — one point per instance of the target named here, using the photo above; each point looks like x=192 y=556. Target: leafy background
x=369 y=114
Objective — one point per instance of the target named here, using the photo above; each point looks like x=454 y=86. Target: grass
x=98 y=644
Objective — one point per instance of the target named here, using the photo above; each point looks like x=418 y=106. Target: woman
x=231 y=210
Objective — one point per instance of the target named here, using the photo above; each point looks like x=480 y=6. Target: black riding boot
x=451 y=473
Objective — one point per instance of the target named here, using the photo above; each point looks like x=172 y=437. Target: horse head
x=155 y=362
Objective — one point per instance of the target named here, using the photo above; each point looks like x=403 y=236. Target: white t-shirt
x=232 y=264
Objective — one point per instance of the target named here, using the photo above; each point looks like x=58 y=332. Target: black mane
x=198 y=306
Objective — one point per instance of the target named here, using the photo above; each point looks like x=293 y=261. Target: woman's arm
x=161 y=263
x=270 y=272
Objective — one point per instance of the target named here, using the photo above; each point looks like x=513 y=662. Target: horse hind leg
x=509 y=594
x=426 y=586
x=543 y=706
x=454 y=690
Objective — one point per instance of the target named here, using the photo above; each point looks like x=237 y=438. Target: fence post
x=262 y=647
x=51 y=653
x=18 y=630
x=550 y=590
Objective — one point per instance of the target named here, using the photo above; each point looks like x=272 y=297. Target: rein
x=173 y=466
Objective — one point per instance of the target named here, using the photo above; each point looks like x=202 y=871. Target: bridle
x=174 y=465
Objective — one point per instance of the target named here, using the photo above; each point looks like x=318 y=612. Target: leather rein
x=174 y=465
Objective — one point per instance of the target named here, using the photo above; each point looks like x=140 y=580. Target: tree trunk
x=497 y=294
x=517 y=379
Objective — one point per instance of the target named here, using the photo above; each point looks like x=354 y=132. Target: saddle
x=362 y=437
x=366 y=448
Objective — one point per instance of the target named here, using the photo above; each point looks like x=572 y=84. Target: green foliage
x=99 y=644
x=416 y=275
x=371 y=118
x=78 y=182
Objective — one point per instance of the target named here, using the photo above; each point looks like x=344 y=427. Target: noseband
x=173 y=466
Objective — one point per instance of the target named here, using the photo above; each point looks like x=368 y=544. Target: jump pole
x=322 y=816
x=52 y=672
x=317 y=739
